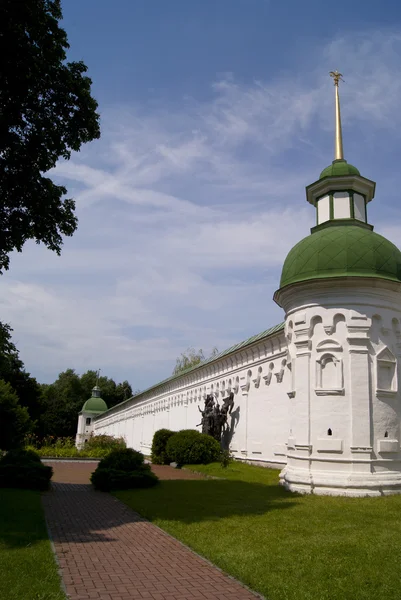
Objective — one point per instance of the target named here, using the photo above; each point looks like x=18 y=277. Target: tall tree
x=46 y=111
x=12 y=371
x=62 y=401
x=14 y=419
x=191 y=358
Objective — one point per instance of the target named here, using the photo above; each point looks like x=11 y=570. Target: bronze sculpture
x=214 y=417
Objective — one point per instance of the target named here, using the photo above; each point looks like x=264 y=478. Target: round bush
x=24 y=469
x=125 y=459
x=106 y=480
x=20 y=457
x=189 y=447
x=159 y=455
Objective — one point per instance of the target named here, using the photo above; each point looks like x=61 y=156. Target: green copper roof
x=342 y=250
x=339 y=168
x=96 y=405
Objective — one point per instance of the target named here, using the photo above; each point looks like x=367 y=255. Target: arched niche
x=315 y=320
x=256 y=381
x=289 y=330
x=280 y=374
x=396 y=327
x=329 y=375
x=329 y=345
x=269 y=375
x=386 y=372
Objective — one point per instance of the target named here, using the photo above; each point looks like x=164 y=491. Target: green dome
x=339 y=168
x=342 y=251
x=97 y=405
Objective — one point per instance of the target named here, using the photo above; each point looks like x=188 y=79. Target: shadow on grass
x=192 y=501
x=22 y=523
x=76 y=513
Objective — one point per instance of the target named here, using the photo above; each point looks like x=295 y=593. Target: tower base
x=352 y=485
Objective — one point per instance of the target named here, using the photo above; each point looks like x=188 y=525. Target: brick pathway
x=79 y=472
x=108 y=552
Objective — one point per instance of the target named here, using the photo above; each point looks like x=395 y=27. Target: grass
x=283 y=545
x=27 y=567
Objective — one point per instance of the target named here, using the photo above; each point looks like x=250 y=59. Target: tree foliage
x=14 y=419
x=191 y=358
x=111 y=392
x=63 y=399
x=46 y=111
x=12 y=371
x=54 y=407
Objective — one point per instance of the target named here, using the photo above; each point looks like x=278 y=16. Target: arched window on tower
x=329 y=375
x=386 y=371
x=329 y=368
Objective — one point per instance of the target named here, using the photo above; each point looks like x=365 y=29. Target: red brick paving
x=108 y=552
x=79 y=472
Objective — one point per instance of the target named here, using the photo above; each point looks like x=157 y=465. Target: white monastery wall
x=258 y=425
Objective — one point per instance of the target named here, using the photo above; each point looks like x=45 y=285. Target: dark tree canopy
x=46 y=111
x=12 y=371
x=63 y=399
x=14 y=419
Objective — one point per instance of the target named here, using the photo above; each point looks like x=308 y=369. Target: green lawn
x=27 y=567
x=283 y=545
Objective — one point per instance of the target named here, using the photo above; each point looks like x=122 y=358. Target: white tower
x=92 y=408
x=340 y=289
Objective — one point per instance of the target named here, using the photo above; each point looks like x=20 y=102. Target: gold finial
x=339 y=153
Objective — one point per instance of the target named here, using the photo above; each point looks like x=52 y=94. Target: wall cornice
x=226 y=368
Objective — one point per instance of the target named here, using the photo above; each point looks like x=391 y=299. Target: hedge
x=24 y=469
x=121 y=470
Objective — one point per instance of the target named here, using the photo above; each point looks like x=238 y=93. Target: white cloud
x=186 y=215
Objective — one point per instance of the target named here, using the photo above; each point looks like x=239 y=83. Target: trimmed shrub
x=105 y=442
x=107 y=480
x=159 y=455
x=189 y=447
x=125 y=459
x=122 y=470
x=20 y=457
x=23 y=469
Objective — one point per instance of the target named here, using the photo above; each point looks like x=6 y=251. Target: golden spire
x=339 y=153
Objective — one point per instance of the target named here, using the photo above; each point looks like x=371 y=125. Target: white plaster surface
x=341 y=205
x=323 y=209
x=359 y=207
x=308 y=398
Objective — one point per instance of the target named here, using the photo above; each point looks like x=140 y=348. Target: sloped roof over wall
x=217 y=357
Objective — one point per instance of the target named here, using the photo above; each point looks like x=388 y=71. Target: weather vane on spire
x=339 y=153
x=336 y=76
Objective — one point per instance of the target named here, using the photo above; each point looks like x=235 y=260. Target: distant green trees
x=63 y=399
x=45 y=409
x=191 y=358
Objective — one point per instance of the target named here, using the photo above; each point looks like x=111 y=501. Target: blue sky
x=215 y=116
